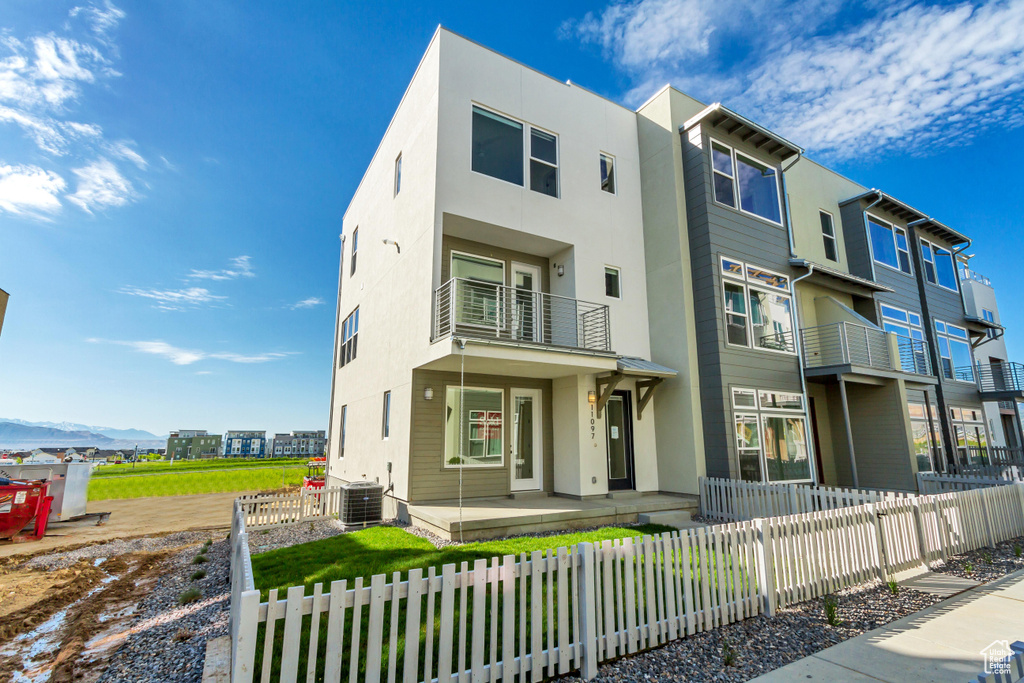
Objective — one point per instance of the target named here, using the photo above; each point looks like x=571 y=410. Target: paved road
x=135 y=517
x=941 y=643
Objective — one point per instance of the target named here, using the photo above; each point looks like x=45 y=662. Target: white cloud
x=180 y=356
x=29 y=190
x=241 y=266
x=176 y=299
x=842 y=80
x=307 y=303
x=100 y=185
x=124 y=150
x=102 y=20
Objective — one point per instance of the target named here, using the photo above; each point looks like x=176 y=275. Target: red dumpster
x=20 y=503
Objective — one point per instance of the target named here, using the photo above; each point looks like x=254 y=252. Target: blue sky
x=173 y=174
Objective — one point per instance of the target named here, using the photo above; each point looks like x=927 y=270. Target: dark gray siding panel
x=880 y=440
x=716 y=230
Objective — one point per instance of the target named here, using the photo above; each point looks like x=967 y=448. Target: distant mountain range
x=23 y=434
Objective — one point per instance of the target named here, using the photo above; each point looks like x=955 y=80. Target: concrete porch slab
x=492 y=517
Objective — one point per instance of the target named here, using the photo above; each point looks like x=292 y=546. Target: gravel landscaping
x=167 y=641
x=762 y=644
x=987 y=564
x=146 y=544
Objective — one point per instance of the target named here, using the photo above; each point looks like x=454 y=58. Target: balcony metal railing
x=993 y=377
x=468 y=308
x=847 y=343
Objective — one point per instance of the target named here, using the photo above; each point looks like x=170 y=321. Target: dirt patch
x=66 y=586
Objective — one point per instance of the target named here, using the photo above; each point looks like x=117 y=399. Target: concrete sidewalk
x=941 y=643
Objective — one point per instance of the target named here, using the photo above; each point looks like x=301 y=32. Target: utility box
x=362 y=503
x=69 y=484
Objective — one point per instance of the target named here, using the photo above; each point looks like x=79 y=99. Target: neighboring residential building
x=249 y=444
x=312 y=443
x=557 y=294
x=193 y=443
x=991 y=359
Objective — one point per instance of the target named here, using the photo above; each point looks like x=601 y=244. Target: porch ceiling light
x=428 y=394
x=591 y=397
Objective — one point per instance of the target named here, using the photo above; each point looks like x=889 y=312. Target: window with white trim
x=612 y=282
x=938 y=266
x=927 y=443
x=502 y=150
x=385 y=423
x=954 y=352
x=889 y=245
x=741 y=181
x=988 y=315
x=828 y=236
x=474 y=427
x=970 y=435
x=355 y=248
x=771 y=435
x=758 y=307
x=608 y=173
x=349 y=338
x=398 y=174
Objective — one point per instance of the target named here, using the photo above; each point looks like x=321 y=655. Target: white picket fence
x=934 y=482
x=268 y=511
x=549 y=613
x=733 y=500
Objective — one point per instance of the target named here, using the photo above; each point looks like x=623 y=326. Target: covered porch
x=482 y=518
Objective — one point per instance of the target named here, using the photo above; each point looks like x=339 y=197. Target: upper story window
x=499 y=151
x=954 y=352
x=828 y=236
x=903 y=323
x=740 y=181
x=612 y=282
x=349 y=336
x=608 y=173
x=889 y=245
x=355 y=249
x=988 y=315
x=543 y=162
x=938 y=265
x=758 y=307
x=398 y=174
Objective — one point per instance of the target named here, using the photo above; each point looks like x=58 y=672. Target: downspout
x=334 y=356
x=797 y=341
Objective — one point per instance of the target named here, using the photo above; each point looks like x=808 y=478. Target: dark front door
x=618 y=420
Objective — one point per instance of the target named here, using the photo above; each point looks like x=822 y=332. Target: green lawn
x=165 y=466
x=383 y=550
x=182 y=483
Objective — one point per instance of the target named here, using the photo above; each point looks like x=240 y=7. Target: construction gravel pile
x=145 y=544
x=987 y=564
x=167 y=641
x=759 y=645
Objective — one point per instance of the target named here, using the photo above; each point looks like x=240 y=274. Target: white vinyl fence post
x=243 y=649
x=765 y=566
x=588 y=612
x=883 y=560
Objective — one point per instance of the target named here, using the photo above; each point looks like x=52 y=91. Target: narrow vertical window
x=828 y=236
x=612 y=283
x=344 y=421
x=543 y=162
x=355 y=249
x=944 y=270
x=398 y=175
x=349 y=337
x=929 y=262
x=722 y=167
x=903 y=250
x=608 y=173
x=385 y=428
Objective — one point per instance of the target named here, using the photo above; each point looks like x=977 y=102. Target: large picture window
x=889 y=245
x=771 y=435
x=740 y=181
x=500 y=151
x=954 y=352
x=927 y=443
x=758 y=307
x=474 y=427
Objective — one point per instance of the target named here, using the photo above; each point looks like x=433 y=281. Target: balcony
x=847 y=343
x=481 y=310
x=1002 y=381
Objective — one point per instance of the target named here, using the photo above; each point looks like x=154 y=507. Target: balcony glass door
x=526 y=440
x=526 y=306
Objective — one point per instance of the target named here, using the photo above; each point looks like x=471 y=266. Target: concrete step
x=679 y=519
x=528 y=495
x=623 y=495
